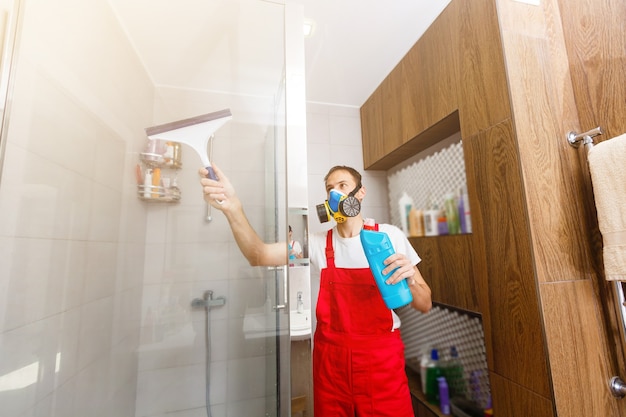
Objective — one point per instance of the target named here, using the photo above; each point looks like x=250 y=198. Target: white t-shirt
x=349 y=253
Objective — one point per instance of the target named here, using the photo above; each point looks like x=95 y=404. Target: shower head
x=194 y=132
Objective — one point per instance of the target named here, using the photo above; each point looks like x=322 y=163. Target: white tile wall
x=334 y=138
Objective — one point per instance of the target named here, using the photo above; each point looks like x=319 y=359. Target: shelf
x=156 y=194
x=156 y=160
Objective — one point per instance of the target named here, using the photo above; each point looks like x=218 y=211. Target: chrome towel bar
x=586 y=138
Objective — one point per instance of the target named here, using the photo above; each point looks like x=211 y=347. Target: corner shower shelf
x=155 y=194
x=168 y=160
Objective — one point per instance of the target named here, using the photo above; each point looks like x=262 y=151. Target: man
x=358 y=355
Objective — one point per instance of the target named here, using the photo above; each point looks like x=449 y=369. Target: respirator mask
x=339 y=206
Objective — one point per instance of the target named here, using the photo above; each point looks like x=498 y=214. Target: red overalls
x=358 y=362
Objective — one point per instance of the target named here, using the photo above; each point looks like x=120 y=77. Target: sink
x=258 y=322
x=300 y=325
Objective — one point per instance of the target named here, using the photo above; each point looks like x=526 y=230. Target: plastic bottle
x=174 y=190
x=432 y=373
x=475 y=388
x=452 y=214
x=464 y=211
x=444 y=396
x=442 y=223
x=424 y=361
x=378 y=247
x=455 y=376
x=156 y=182
x=416 y=223
x=405 y=204
x=430 y=221
x=147 y=183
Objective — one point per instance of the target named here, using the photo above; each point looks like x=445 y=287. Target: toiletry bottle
x=464 y=211
x=174 y=190
x=474 y=381
x=442 y=223
x=377 y=247
x=156 y=182
x=453 y=371
x=444 y=396
x=147 y=183
x=424 y=361
x=430 y=221
x=432 y=373
x=416 y=223
x=452 y=214
x=405 y=204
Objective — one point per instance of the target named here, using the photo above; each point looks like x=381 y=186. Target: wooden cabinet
x=418 y=95
x=372 y=129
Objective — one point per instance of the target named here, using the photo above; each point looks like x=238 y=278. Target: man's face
x=340 y=180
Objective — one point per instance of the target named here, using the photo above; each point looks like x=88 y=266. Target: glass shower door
x=101 y=292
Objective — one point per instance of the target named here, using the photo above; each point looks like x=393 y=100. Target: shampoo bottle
x=405 y=204
x=455 y=376
x=432 y=373
x=377 y=247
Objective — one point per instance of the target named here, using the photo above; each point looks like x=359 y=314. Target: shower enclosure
x=96 y=284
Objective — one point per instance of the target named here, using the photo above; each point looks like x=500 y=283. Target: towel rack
x=617 y=386
x=575 y=139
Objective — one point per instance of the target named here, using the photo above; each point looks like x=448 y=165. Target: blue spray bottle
x=377 y=247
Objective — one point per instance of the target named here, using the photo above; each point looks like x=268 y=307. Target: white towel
x=607 y=164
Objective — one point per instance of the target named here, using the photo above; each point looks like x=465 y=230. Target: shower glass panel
x=102 y=293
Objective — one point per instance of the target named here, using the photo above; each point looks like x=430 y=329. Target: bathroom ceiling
x=214 y=44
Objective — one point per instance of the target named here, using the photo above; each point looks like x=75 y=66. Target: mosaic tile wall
x=428 y=180
x=442 y=328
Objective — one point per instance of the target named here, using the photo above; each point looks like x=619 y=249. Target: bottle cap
x=369 y=224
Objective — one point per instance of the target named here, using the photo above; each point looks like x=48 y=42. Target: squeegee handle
x=211 y=173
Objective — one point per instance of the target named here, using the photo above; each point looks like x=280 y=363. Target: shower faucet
x=207 y=301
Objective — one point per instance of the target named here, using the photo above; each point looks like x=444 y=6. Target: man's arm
x=221 y=195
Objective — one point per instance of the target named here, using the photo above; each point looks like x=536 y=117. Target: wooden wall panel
x=514 y=304
x=596 y=47
x=562 y=76
x=579 y=362
x=519 y=401
x=543 y=106
x=482 y=85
